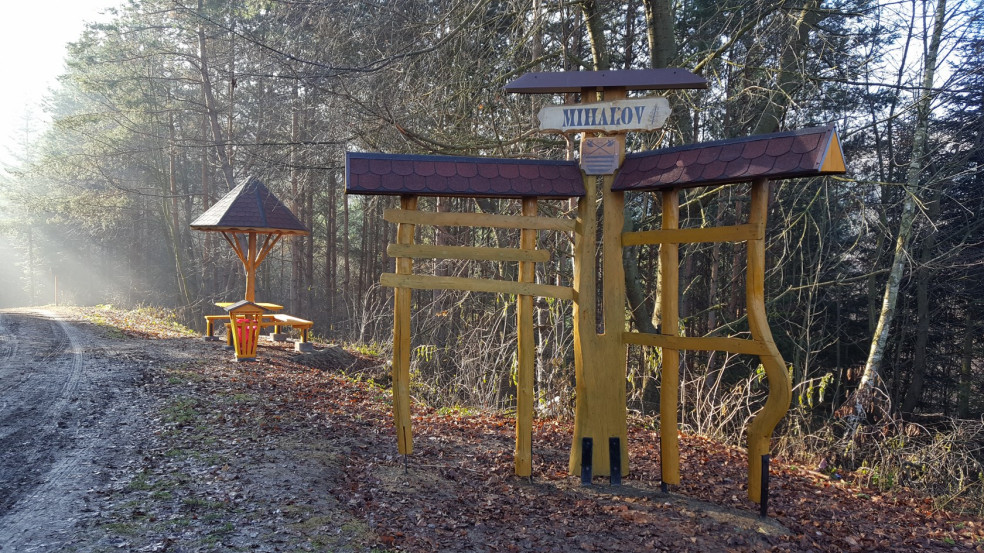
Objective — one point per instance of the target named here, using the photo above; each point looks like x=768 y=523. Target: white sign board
x=643 y=114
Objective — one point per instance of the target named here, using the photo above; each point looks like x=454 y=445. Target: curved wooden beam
x=780 y=387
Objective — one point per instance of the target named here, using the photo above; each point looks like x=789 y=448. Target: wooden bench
x=280 y=319
x=210 y=324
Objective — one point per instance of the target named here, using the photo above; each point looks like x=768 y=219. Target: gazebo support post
x=250 y=265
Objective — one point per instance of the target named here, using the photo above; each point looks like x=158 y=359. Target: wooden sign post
x=599 y=357
x=605 y=115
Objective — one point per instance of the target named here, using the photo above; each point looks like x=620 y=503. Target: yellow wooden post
x=401 y=338
x=249 y=264
x=669 y=392
x=526 y=354
x=599 y=358
x=780 y=387
x=585 y=271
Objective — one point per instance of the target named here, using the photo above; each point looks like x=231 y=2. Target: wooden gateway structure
x=604 y=116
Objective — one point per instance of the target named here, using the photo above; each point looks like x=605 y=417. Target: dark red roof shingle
x=802 y=153
x=374 y=173
x=249 y=206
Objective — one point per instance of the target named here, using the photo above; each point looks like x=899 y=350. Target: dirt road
x=121 y=431
x=111 y=440
x=72 y=409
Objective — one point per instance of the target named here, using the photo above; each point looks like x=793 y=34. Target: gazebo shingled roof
x=250 y=207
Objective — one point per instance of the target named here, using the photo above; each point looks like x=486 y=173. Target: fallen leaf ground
x=297 y=452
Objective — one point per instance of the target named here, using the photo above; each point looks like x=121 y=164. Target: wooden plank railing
x=525 y=289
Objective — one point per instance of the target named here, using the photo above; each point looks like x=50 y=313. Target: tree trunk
x=966 y=362
x=790 y=67
x=591 y=11
x=872 y=367
x=347 y=246
x=210 y=105
x=659 y=32
x=308 y=219
x=208 y=280
x=331 y=247
x=923 y=277
x=173 y=222
x=296 y=245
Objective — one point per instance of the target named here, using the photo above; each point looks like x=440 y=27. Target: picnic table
x=276 y=320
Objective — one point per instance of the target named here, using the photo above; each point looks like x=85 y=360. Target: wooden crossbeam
x=234 y=244
x=268 y=244
x=732 y=233
x=428 y=251
x=733 y=345
x=428 y=282
x=445 y=219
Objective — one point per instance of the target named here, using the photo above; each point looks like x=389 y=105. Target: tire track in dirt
x=52 y=413
x=42 y=359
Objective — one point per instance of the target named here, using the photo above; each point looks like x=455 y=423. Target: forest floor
x=122 y=432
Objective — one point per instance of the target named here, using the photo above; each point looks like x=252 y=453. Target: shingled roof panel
x=397 y=174
x=779 y=146
x=424 y=168
x=803 y=153
x=487 y=170
x=737 y=166
x=509 y=171
x=708 y=155
x=806 y=143
x=730 y=152
x=380 y=166
x=788 y=162
x=416 y=183
x=662 y=163
x=403 y=168
x=688 y=158
x=249 y=207
x=754 y=149
x=549 y=172
x=713 y=169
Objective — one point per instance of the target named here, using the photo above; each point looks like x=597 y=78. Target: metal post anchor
x=586 y=447
x=764 y=503
x=615 y=460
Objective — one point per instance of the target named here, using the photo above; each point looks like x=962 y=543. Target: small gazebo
x=252 y=220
